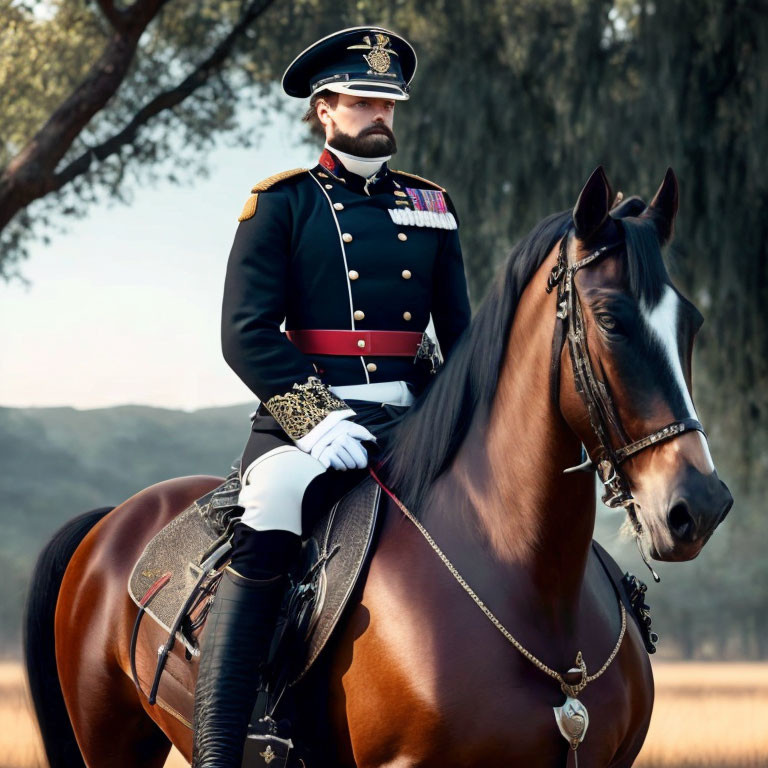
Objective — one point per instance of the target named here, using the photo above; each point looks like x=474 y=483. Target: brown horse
x=419 y=675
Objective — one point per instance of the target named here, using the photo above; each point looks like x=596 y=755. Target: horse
x=483 y=602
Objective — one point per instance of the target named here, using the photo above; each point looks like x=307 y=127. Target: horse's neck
x=505 y=490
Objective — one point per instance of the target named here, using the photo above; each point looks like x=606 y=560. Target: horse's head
x=629 y=341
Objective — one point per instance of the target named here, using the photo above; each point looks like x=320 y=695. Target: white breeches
x=273 y=489
x=274 y=484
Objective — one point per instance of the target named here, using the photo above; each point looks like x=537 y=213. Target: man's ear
x=322 y=109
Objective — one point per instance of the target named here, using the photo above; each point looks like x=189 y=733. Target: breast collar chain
x=603 y=415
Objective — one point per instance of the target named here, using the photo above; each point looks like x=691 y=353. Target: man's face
x=359 y=125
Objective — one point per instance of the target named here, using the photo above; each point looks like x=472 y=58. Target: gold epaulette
x=249 y=209
x=263 y=186
x=419 y=178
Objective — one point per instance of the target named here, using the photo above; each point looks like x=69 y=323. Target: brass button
x=359 y=314
x=322 y=175
x=371 y=367
x=346 y=237
x=353 y=274
x=406 y=273
x=329 y=186
x=406 y=315
x=402 y=236
x=361 y=343
x=400 y=193
x=338 y=206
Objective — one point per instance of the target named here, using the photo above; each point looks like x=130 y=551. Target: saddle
x=175 y=580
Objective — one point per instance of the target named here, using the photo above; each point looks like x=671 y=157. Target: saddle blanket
x=169 y=569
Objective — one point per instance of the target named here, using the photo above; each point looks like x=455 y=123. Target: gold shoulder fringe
x=419 y=178
x=249 y=208
x=263 y=186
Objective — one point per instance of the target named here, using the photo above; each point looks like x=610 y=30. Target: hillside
x=59 y=462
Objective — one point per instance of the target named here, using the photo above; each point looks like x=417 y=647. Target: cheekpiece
x=359 y=61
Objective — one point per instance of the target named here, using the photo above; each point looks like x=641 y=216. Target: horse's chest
x=482 y=711
x=433 y=683
x=496 y=713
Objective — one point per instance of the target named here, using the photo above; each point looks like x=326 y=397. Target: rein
x=601 y=409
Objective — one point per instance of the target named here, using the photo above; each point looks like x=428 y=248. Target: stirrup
x=267 y=744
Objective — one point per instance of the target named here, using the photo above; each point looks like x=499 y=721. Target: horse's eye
x=608 y=322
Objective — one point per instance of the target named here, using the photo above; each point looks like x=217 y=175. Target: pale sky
x=125 y=307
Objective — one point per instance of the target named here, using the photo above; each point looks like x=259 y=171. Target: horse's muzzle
x=697 y=505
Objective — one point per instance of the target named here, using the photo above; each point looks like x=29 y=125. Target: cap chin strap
x=603 y=415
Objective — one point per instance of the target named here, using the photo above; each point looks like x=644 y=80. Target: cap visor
x=363 y=88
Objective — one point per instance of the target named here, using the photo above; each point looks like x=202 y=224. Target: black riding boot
x=238 y=635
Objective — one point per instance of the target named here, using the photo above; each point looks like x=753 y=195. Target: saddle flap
x=334 y=558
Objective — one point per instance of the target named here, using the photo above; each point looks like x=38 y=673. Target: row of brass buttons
x=347 y=238
x=354 y=274
x=360 y=315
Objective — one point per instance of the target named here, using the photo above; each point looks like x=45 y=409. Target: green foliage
x=41 y=60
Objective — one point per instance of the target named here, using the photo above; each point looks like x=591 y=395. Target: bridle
x=603 y=416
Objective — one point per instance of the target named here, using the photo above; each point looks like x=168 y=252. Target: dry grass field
x=706 y=716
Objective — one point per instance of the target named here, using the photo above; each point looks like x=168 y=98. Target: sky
x=124 y=308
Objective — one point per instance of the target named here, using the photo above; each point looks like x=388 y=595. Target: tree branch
x=112 y=14
x=29 y=175
x=164 y=100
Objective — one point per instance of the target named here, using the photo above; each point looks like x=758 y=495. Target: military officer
x=354 y=258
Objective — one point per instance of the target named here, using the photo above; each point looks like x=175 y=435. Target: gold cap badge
x=378 y=58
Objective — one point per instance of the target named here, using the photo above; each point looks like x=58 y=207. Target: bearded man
x=354 y=258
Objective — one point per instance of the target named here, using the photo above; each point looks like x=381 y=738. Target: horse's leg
x=116 y=733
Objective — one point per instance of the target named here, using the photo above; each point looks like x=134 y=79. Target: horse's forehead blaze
x=663 y=324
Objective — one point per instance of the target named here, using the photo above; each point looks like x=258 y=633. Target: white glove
x=340 y=447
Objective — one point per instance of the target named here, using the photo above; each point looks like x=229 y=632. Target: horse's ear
x=591 y=209
x=663 y=207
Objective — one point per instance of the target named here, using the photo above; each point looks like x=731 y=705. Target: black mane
x=423 y=444
x=426 y=440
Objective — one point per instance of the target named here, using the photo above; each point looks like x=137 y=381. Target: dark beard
x=367 y=143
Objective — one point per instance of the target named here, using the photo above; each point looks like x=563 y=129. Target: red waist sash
x=369 y=343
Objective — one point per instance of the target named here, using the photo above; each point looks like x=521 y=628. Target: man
x=354 y=258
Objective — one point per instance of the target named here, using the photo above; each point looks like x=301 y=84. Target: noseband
x=603 y=415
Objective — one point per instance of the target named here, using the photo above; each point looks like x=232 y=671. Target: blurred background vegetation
x=516 y=102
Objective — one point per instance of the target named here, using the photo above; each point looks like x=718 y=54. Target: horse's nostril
x=681 y=521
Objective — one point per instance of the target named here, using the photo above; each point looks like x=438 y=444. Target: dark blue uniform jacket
x=323 y=251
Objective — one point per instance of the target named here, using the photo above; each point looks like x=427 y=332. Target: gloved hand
x=340 y=447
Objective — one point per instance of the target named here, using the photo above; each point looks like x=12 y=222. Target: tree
x=80 y=85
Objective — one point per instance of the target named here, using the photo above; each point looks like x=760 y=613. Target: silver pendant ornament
x=573 y=720
x=572 y=717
